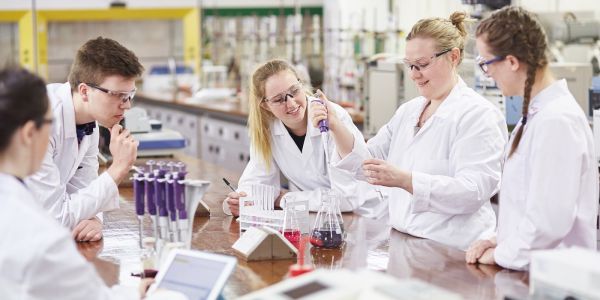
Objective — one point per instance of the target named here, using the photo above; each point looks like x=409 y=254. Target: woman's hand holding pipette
x=320 y=110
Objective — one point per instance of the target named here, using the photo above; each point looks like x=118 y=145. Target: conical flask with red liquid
x=291 y=227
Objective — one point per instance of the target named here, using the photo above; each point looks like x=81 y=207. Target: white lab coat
x=67 y=184
x=307 y=171
x=38 y=258
x=549 y=193
x=455 y=160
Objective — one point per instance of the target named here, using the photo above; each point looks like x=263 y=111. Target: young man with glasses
x=101 y=87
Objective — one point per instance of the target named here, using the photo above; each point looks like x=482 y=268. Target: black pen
x=228 y=184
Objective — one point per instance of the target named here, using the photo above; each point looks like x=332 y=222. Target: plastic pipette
x=138 y=190
x=324 y=129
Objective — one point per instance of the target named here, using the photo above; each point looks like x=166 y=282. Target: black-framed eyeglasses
x=281 y=98
x=123 y=96
x=423 y=63
x=483 y=64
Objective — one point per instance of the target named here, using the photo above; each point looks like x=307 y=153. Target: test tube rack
x=256 y=216
x=170 y=199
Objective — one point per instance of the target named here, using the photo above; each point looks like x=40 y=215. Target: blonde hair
x=447 y=33
x=259 y=118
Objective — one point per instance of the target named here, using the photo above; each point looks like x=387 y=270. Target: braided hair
x=514 y=31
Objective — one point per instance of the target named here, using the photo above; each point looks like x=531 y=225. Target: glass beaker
x=291 y=227
x=327 y=231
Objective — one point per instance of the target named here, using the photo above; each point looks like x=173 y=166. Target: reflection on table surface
x=369 y=244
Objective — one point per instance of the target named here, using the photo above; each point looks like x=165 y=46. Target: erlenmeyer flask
x=327 y=231
x=291 y=227
x=334 y=197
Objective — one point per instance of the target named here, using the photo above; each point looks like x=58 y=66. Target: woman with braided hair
x=549 y=187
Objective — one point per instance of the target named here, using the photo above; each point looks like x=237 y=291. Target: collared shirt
x=84 y=129
x=549 y=193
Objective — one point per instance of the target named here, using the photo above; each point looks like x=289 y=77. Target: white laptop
x=198 y=275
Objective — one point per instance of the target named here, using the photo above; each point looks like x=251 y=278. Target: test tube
x=180 y=202
x=151 y=200
x=171 y=206
x=138 y=190
x=150 y=164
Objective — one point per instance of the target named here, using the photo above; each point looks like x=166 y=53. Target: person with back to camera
x=549 y=192
x=38 y=257
x=440 y=155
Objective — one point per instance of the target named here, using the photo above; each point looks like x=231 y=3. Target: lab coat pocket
x=432 y=166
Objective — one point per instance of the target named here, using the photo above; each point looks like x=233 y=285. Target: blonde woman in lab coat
x=38 y=258
x=549 y=192
x=282 y=140
x=440 y=154
x=100 y=88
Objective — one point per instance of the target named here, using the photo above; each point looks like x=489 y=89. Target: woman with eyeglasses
x=38 y=258
x=549 y=191
x=283 y=141
x=440 y=154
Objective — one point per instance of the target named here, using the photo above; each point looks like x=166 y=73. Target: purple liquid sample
x=326 y=238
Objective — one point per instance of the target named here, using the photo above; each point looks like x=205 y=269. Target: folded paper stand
x=264 y=243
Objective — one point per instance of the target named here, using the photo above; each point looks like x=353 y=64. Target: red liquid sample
x=293 y=236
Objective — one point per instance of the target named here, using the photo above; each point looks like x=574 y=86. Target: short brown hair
x=102 y=57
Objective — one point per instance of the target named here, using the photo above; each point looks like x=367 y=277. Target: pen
x=228 y=184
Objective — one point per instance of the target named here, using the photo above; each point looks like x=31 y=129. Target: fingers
x=476 y=250
x=87 y=227
x=318 y=112
x=93 y=235
x=87 y=230
x=144 y=285
x=373 y=161
x=234 y=205
x=319 y=94
x=236 y=195
x=77 y=230
x=115 y=130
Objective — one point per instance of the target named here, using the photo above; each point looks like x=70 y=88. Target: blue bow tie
x=84 y=129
